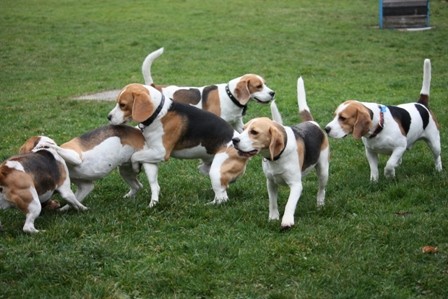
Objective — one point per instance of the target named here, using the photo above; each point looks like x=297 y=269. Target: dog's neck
x=380 y=121
x=235 y=100
x=151 y=119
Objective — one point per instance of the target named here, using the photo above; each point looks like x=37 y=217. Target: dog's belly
x=101 y=160
x=46 y=196
x=197 y=152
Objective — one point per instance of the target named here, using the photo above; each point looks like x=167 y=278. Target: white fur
x=229 y=111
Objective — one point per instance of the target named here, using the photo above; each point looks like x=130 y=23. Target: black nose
x=327 y=129
x=272 y=93
x=109 y=117
x=235 y=140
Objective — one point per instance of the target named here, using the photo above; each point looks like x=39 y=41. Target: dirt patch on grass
x=108 y=95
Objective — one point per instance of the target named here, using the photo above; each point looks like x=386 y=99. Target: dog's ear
x=277 y=142
x=142 y=108
x=242 y=91
x=28 y=146
x=362 y=124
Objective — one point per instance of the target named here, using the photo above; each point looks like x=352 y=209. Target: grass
x=365 y=243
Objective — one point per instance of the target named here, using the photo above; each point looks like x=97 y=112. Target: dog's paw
x=153 y=203
x=274 y=216
x=287 y=222
x=389 y=173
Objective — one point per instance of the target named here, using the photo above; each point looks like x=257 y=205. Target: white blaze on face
x=116 y=116
x=334 y=127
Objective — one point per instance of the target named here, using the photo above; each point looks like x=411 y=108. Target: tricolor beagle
x=288 y=153
x=28 y=180
x=182 y=131
x=101 y=151
x=389 y=130
x=227 y=100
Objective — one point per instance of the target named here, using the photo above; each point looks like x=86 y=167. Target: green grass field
x=365 y=243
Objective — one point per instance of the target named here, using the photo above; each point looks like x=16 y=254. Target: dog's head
x=135 y=102
x=351 y=117
x=252 y=86
x=261 y=135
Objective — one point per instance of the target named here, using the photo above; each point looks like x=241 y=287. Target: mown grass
x=365 y=243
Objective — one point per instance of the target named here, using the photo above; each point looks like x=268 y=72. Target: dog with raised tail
x=389 y=130
x=288 y=152
x=226 y=100
x=29 y=180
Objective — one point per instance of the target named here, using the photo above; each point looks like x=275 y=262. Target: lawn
x=365 y=243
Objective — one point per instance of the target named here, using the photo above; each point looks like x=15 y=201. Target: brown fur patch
x=233 y=167
x=29 y=145
x=355 y=119
x=187 y=96
x=301 y=153
x=212 y=102
x=16 y=187
x=400 y=125
x=173 y=123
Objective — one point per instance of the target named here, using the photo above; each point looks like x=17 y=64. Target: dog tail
x=424 y=93
x=304 y=110
x=146 y=66
x=276 y=116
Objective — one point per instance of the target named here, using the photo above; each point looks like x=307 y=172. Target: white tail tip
x=426 y=77
x=147 y=63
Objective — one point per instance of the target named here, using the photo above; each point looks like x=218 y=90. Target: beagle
x=288 y=152
x=389 y=130
x=227 y=100
x=29 y=180
x=182 y=131
x=101 y=151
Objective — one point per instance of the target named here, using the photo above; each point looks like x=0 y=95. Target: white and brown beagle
x=30 y=179
x=389 y=130
x=227 y=100
x=289 y=152
x=182 y=131
x=102 y=150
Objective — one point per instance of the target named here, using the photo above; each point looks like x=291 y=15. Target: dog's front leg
x=372 y=158
x=150 y=155
x=151 y=171
x=273 y=196
x=393 y=162
x=294 y=195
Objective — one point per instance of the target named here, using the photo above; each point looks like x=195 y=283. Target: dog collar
x=150 y=120
x=234 y=100
x=380 y=126
x=281 y=152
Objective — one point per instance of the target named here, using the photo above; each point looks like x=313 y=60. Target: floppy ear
x=142 y=108
x=362 y=124
x=28 y=146
x=242 y=91
x=277 y=142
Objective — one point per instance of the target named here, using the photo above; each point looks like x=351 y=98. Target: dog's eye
x=253 y=132
x=341 y=118
x=121 y=105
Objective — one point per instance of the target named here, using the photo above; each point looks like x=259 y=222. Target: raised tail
x=276 y=116
x=424 y=93
x=146 y=66
x=304 y=110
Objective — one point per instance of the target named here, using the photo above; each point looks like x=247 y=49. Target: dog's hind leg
x=322 y=169
x=32 y=212
x=130 y=177
x=83 y=188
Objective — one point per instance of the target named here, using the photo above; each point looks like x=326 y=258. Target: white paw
x=153 y=203
x=287 y=222
x=274 y=215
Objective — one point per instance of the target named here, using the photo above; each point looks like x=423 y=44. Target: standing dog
x=288 y=153
x=101 y=151
x=389 y=130
x=27 y=180
x=227 y=100
x=181 y=131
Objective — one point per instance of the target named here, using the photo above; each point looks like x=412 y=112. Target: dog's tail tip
x=304 y=110
x=147 y=63
x=424 y=93
x=276 y=116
